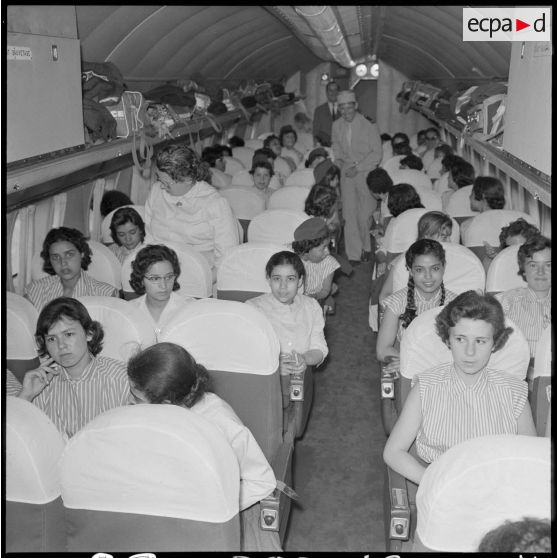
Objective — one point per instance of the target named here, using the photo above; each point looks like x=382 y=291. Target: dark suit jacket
x=322 y=122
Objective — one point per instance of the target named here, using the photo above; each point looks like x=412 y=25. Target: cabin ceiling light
x=323 y=22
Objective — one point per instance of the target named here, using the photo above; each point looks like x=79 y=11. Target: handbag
x=129 y=113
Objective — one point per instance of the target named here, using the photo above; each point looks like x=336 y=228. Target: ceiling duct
x=323 y=22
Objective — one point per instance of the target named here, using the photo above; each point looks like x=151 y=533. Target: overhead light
x=375 y=70
x=361 y=70
x=325 y=76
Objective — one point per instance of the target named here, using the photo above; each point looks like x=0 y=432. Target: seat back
x=126 y=330
x=195 y=274
x=289 y=197
x=477 y=485
x=220 y=179
x=487 y=226
x=402 y=230
x=245 y=203
x=253 y=143
x=542 y=376
x=464 y=271
x=104 y=265
x=415 y=178
x=459 y=204
x=34 y=513
x=21 y=321
x=244 y=155
x=275 y=226
x=150 y=476
x=502 y=274
x=422 y=349
x=233 y=165
x=280 y=166
x=239 y=347
x=106 y=238
x=303 y=178
x=241 y=274
x=242 y=178
x=391 y=166
x=431 y=200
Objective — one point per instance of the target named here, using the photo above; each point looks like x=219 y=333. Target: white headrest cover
x=33 y=448
x=289 y=197
x=402 y=230
x=125 y=327
x=243 y=267
x=502 y=273
x=275 y=226
x=543 y=354
x=226 y=335
x=195 y=273
x=422 y=349
x=21 y=321
x=161 y=460
x=301 y=178
x=245 y=203
x=477 y=485
x=464 y=271
x=487 y=226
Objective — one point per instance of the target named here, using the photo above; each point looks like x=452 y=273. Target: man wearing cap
x=325 y=114
x=357 y=149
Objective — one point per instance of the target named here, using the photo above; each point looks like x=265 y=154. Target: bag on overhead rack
x=101 y=81
x=129 y=113
x=98 y=121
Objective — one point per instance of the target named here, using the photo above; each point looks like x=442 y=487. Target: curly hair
x=121 y=217
x=474 y=306
x=145 y=258
x=422 y=247
x=412 y=162
x=536 y=243
x=402 y=197
x=264 y=153
x=491 y=190
x=462 y=172
x=379 y=181
x=442 y=150
x=65 y=234
x=71 y=309
x=181 y=162
x=267 y=141
x=516 y=228
x=434 y=223
x=285 y=258
x=167 y=373
x=301 y=247
x=320 y=201
x=399 y=137
x=526 y=535
x=260 y=164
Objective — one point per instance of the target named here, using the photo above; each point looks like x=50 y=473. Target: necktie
x=333 y=111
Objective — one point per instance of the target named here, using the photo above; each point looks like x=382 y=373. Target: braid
x=410 y=310
x=443 y=297
x=201 y=385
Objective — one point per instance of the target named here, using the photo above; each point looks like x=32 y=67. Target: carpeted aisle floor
x=338 y=468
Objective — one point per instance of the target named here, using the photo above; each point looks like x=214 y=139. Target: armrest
x=301 y=395
x=540 y=403
x=397 y=511
x=275 y=509
x=388 y=388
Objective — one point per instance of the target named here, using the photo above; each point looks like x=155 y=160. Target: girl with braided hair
x=426 y=261
x=166 y=373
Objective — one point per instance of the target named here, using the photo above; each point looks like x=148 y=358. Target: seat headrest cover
x=502 y=273
x=126 y=329
x=422 y=349
x=477 y=485
x=160 y=460
x=195 y=273
x=243 y=267
x=33 y=448
x=486 y=226
x=21 y=320
x=275 y=225
x=401 y=231
x=226 y=335
x=543 y=354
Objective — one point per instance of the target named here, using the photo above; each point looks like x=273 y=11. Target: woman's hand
x=292 y=363
x=36 y=380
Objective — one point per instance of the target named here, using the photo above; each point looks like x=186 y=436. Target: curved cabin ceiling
x=268 y=42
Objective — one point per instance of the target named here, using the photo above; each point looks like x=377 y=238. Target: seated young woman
x=154 y=277
x=463 y=399
x=66 y=257
x=426 y=261
x=127 y=229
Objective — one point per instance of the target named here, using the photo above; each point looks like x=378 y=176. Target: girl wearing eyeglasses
x=155 y=273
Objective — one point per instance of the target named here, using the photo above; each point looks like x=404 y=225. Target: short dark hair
x=526 y=535
x=402 y=197
x=236 y=141
x=491 y=190
x=379 y=181
x=534 y=244
x=287 y=130
x=285 y=258
x=259 y=163
x=424 y=247
x=167 y=373
x=269 y=139
x=72 y=309
x=399 y=137
x=320 y=200
x=121 y=217
x=111 y=200
x=462 y=172
x=226 y=151
x=212 y=154
x=443 y=148
x=412 y=161
x=264 y=152
x=515 y=228
x=65 y=234
x=145 y=258
x=474 y=306
x=402 y=148
x=385 y=137
x=180 y=162
x=433 y=222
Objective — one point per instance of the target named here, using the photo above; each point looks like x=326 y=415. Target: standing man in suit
x=357 y=148
x=325 y=114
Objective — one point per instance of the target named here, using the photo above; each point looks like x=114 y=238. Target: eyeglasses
x=160 y=278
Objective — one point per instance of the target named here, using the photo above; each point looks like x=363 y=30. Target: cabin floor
x=338 y=466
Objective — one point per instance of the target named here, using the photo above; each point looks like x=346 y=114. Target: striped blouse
x=397 y=302
x=317 y=272
x=528 y=312
x=453 y=412
x=42 y=291
x=13 y=385
x=71 y=404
